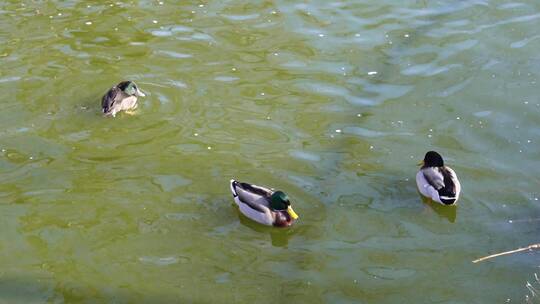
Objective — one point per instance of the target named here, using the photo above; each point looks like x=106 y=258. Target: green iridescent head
x=279 y=201
x=433 y=159
x=130 y=88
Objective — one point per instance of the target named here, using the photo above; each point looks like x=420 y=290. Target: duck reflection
x=279 y=236
x=447 y=212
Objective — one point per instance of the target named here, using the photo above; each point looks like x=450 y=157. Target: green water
x=334 y=102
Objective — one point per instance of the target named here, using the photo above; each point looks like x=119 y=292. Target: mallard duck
x=121 y=97
x=437 y=181
x=265 y=206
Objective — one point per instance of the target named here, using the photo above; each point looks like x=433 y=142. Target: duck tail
x=233 y=187
x=447 y=200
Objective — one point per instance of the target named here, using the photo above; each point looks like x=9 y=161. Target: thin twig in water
x=533 y=246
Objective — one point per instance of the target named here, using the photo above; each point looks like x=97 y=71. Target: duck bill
x=421 y=163
x=139 y=93
x=291 y=212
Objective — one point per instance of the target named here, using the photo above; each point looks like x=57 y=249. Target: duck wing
x=434 y=177
x=255 y=196
x=109 y=98
x=443 y=179
x=452 y=186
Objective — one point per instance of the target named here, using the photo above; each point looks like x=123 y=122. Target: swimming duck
x=437 y=181
x=121 y=97
x=265 y=206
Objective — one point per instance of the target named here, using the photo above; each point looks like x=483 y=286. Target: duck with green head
x=121 y=97
x=265 y=206
x=437 y=181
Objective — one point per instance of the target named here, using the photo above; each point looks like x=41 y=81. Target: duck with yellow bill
x=265 y=206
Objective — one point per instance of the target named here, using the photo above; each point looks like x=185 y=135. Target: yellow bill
x=292 y=213
x=421 y=163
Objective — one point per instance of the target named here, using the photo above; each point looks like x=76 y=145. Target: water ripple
x=524 y=42
x=363 y=132
x=175 y=54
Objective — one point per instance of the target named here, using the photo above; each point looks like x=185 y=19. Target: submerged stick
x=533 y=246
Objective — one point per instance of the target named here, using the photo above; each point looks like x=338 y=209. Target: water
x=334 y=102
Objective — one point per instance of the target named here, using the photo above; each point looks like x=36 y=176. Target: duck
x=262 y=205
x=437 y=181
x=121 y=97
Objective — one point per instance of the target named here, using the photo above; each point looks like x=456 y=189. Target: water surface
x=333 y=101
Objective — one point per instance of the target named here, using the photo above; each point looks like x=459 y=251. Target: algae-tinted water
x=334 y=102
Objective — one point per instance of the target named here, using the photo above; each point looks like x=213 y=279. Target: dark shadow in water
x=20 y=289
x=279 y=236
x=447 y=212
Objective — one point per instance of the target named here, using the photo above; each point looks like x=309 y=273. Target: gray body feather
x=439 y=183
x=116 y=100
x=253 y=201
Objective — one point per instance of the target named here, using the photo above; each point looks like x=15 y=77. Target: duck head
x=130 y=88
x=432 y=159
x=279 y=202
